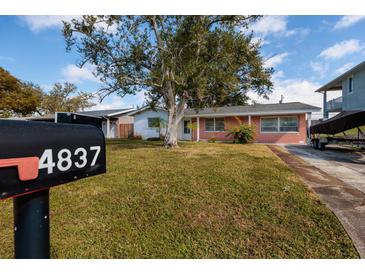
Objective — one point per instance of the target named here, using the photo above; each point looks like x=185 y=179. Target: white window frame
x=350 y=87
x=278 y=126
x=205 y=128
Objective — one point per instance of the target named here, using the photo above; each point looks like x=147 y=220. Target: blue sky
x=306 y=52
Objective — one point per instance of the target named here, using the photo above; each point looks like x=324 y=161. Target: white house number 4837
x=64 y=161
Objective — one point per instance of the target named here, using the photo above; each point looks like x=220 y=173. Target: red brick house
x=274 y=123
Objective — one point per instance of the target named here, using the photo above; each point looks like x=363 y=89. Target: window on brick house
x=279 y=124
x=214 y=124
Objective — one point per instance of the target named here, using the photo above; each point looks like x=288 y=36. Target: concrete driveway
x=337 y=176
x=342 y=163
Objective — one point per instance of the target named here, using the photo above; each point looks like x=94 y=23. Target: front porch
x=286 y=129
x=207 y=128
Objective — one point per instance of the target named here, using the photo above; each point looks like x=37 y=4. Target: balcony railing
x=334 y=105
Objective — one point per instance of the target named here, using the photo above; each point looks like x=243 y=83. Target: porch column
x=249 y=120
x=107 y=128
x=197 y=129
x=309 y=117
x=309 y=123
x=325 y=111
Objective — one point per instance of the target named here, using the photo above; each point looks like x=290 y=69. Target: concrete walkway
x=344 y=198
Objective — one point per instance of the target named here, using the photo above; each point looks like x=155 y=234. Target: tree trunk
x=175 y=116
x=171 y=133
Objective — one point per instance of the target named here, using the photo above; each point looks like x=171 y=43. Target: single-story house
x=273 y=123
x=114 y=121
x=146 y=121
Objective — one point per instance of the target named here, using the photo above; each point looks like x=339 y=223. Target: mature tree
x=65 y=98
x=178 y=61
x=17 y=97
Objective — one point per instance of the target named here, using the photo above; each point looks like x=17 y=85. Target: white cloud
x=297 y=90
x=37 y=23
x=293 y=90
x=347 y=21
x=140 y=98
x=114 y=101
x=277 y=25
x=344 y=68
x=319 y=68
x=278 y=75
x=270 y=24
x=276 y=60
x=74 y=74
x=341 y=49
x=111 y=102
x=6 y=58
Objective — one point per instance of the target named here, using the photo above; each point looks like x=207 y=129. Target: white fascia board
x=144 y=109
x=120 y=112
x=251 y=113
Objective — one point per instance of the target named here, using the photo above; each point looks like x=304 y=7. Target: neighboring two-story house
x=352 y=85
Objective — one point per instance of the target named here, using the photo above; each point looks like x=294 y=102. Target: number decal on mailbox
x=64 y=161
x=82 y=157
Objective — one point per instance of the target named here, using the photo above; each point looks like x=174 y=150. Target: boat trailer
x=329 y=131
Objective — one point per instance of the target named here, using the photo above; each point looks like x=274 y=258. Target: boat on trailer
x=329 y=131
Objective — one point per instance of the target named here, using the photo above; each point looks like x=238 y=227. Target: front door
x=186 y=134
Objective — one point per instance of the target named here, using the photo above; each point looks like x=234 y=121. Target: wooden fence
x=125 y=131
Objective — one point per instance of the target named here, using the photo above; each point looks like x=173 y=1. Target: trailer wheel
x=315 y=143
x=321 y=145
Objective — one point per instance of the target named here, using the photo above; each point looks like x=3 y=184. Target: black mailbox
x=39 y=155
x=77 y=118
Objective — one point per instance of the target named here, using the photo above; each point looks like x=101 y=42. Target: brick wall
x=287 y=138
x=229 y=122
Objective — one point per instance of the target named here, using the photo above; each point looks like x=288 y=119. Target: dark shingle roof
x=106 y=112
x=255 y=109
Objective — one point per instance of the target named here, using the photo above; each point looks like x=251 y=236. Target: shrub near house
x=242 y=134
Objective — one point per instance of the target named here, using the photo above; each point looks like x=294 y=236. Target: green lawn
x=203 y=200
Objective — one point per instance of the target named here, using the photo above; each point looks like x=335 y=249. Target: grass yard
x=202 y=200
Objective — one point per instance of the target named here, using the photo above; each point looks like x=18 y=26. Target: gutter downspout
x=107 y=128
x=198 y=129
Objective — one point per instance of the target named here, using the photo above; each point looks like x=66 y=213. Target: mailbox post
x=31 y=226
x=35 y=156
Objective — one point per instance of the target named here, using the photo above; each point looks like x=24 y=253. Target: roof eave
x=144 y=109
x=330 y=86
x=120 y=112
x=336 y=84
x=257 y=113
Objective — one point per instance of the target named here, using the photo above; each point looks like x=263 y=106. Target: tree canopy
x=17 y=97
x=65 y=98
x=20 y=98
x=178 y=61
